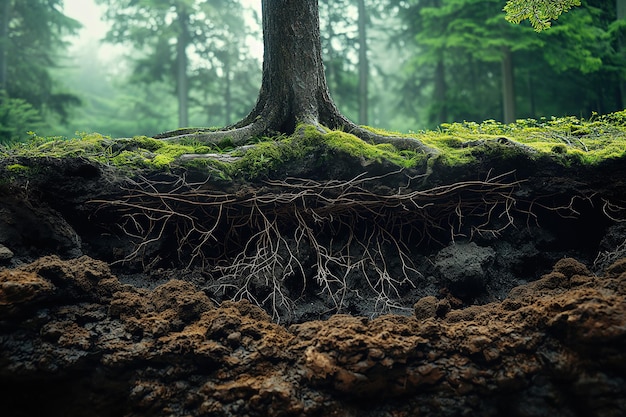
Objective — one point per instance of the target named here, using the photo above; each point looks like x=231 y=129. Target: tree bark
x=508 y=86
x=363 y=64
x=292 y=65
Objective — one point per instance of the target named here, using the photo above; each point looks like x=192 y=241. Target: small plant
x=17 y=118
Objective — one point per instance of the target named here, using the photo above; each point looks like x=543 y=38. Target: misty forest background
x=397 y=64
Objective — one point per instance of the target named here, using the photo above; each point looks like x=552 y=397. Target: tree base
x=269 y=124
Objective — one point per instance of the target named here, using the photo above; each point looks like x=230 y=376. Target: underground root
x=272 y=243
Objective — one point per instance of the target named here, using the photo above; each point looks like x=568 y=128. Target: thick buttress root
x=272 y=120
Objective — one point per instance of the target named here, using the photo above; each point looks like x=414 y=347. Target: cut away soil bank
x=355 y=288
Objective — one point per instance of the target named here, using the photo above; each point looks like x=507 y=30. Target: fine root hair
x=275 y=242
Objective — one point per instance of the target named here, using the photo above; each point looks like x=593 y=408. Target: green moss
x=271 y=153
x=567 y=141
x=127 y=159
x=356 y=147
x=147 y=143
x=17 y=168
x=266 y=156
x=226 y=144
x=13 y=172
x=130 y=154
x=216 y=169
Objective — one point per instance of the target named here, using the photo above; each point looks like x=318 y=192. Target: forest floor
x=332 y=282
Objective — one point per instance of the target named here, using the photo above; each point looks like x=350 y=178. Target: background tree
x=466 y=55
x=111 y=105
x=161 y=31
x=339 y=39
x=617 y=30
x=350 y=30
x=32 y=34
x=226 y=77
x=172 y=37
x=363 y=63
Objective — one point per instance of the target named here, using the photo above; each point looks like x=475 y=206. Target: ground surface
x=357 y=288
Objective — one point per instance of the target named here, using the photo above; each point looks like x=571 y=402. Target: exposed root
x=237 y=135
x=616 y=213
x=270 y=121
x=400 y=142
x=270 y=244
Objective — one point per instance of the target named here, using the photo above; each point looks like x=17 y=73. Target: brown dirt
x=72 y=335
x=502 y=324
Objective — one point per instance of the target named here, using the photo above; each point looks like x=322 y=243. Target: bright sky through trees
x=94 y=29
x=88 y=13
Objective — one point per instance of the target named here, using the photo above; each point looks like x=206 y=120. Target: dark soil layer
x=116 y=294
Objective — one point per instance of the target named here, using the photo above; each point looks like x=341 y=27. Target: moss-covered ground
x=567 y=141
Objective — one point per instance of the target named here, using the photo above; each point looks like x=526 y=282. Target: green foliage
x=17 y=117
x=540 y=13
x=456 y=71
x=30 y=45
x=567 y=140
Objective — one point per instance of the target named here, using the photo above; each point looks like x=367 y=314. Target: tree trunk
x=621 y=14
x=363 y=64
x=293 y=88
x=228 y=96
x=292 y=65
x=439 y=94
x=531 y=94
x=508 y=86
x=5 y=10
x=182 y=83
